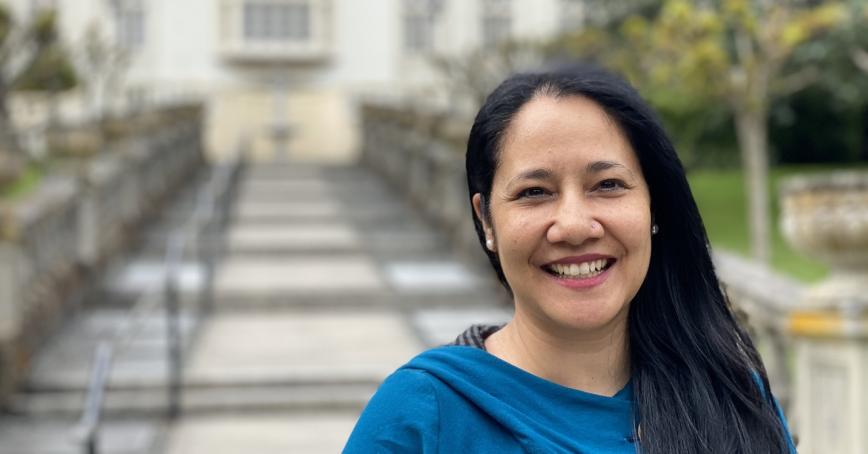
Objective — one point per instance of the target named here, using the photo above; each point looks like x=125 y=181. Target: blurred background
x=224 y=222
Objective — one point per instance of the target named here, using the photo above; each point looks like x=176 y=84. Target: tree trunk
x=753 y=141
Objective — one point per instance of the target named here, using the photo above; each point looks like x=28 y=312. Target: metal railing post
x=173 y=328
x=209 y=221
x=89 y=424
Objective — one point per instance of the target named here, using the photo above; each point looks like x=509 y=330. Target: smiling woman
x=621 y=340
x=568 y=195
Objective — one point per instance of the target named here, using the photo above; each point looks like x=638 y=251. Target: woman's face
x=570 y=215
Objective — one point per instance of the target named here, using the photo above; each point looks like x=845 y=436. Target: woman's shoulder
x=401 y=416
x=404 y=413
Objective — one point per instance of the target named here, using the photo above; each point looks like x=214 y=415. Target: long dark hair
x=699 y=383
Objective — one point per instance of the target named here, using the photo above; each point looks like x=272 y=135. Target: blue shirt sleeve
x=401 y=417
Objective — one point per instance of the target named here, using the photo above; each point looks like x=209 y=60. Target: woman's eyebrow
x=599 y=166
x=534 y=174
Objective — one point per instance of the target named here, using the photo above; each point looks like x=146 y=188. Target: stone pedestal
x=827 y=217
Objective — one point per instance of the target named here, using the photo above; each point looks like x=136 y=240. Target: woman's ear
x=479 y=208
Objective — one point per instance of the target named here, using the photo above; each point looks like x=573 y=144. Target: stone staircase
x=330 y=282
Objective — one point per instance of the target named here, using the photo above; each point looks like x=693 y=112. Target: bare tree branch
x=860 y=58
x=797 y=81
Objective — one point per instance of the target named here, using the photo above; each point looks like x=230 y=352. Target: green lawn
x=720 y=196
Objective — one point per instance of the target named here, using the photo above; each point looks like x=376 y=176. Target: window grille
x=420 y=18
x=496 y=22
x=129 y=24
x=276 y=21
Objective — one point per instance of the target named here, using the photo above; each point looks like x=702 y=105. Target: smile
x=581 y=270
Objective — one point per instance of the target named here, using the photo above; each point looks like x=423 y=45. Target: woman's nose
x=574 y=223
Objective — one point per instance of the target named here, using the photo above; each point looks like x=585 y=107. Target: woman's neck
x=598 y=363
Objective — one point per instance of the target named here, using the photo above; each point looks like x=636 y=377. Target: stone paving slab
x=65 y=362
x=300 y=345
x=287 y=211
x=309 y=184
x=137 y=276
x=313 y=187
x=403 y=241
x=280 y=172
x=290 y=239
x=438 y=326
x=56 y=436
x=308 y=433
x=431 y=276
x=199 y=398
x=382 y=212
x=297 y=276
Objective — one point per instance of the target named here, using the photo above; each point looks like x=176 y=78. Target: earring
x=654 y=229
x=489 y=243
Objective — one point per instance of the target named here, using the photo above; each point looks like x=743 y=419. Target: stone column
x=826 y=217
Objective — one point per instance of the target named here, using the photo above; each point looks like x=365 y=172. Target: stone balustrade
x=81 y=215
x=766 y=298
x=826 y=217
x=422 y=155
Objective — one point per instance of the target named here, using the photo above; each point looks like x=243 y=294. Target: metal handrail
x=205 y=217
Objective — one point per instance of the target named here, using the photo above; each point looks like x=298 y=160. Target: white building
x=284 y=76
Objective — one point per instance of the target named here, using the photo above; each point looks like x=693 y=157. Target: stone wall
x=421 y=154
x=55 y=240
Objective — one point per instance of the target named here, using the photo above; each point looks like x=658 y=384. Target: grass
x=25 y=183
x=720 y=195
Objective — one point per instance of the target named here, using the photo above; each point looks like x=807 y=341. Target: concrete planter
x=826 y=217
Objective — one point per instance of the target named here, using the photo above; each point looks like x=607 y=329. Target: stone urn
x=826 y=217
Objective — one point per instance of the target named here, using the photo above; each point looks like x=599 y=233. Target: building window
x=420 y=17
x=277 y=21
x=572 y=15
x=496 y=22
x=129 y=24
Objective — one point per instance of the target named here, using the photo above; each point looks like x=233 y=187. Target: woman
x=622 y=340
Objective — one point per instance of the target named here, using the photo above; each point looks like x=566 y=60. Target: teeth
x=581 y=270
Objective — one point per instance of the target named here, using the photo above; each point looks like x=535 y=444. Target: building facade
x=283 y=77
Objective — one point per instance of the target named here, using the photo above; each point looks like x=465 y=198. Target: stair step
x=154 y=401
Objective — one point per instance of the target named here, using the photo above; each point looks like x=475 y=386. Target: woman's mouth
x=582 y=270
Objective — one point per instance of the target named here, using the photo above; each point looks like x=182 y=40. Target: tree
x=733 y=52
x=49 y=69
x=9 y=38
x=103 y=65
x=858 y=29
x=31 y=58
x=473 y=76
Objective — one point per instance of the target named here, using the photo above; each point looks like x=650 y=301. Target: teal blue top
x=462 y=399
x=457 y=399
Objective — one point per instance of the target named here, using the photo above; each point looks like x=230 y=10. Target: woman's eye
x=611 y=185
x=532 y=193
